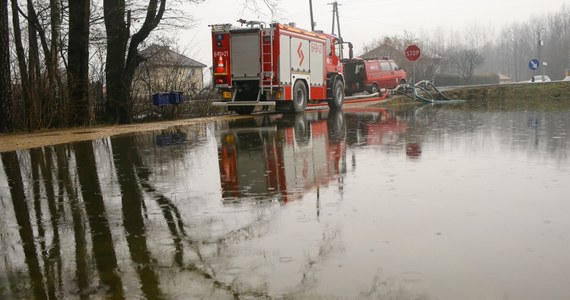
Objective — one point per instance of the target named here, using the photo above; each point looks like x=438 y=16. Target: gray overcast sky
x=364 y=20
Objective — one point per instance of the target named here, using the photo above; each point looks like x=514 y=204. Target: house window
x=191 y=72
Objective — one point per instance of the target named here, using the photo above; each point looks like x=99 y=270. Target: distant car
x=567 y=78
x=540 y=78
x=371 y=75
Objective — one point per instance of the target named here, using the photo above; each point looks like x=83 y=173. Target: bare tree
x=33 y=105
x=5 y=78
x=557 y=42
x=466 y=61
x=78 y=62
x=123 y=55
x=41 y=87
x=20 y=52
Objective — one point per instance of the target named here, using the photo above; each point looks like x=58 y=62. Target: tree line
x=479 y=50
x=46 y=52
x=72 y=63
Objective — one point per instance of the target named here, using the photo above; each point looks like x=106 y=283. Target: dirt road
x=19 y=141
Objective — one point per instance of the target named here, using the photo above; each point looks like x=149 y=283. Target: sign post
x=412 y=54
x=533 y=64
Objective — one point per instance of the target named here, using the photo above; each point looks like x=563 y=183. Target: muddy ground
x=19 y=141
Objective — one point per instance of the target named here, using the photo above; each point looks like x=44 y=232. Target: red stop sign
x=412 y=53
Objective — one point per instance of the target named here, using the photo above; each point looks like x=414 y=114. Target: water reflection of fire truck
x=282 y=158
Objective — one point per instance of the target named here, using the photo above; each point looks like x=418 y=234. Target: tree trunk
x=34 y=104
x=53 y=76
x=117 y=36
x=46 y=89
x=21 y=55
x=78 y=62
x=6 y=108
x=121 y=65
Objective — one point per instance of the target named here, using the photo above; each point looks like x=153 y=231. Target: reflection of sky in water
x=485 y=203
x=449 y=204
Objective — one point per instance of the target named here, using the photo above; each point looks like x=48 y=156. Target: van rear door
x=387 y=75
x=373 y=74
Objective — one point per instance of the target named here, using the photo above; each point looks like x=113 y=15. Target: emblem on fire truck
x=300 y=53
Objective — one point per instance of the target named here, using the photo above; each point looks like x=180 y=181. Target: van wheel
x=404 y=86
x=374 y=89
x=299 y=96
x=337 y=95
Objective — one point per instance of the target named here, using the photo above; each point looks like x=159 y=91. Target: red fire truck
x=277 y=65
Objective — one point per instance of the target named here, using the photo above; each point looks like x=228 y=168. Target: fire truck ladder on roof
x=267 y=73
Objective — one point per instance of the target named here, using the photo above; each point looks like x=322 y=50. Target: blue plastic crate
x=175 y=97
x=163 y=140
x=161 y=99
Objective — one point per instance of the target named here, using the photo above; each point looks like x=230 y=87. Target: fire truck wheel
x=302 y=129
x=243 y=110
x=299 y=96
x=336 y=125
x=337 y=95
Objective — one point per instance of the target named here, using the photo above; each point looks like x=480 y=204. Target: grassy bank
x=544 y=96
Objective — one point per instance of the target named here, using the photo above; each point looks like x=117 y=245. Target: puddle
x=430 y=202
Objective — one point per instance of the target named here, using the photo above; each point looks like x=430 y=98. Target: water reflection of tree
x=48 y=185
x=49 y=281
x=66 y=186
x=103 y=244
x=42 y=164
x=329 y=245
x=132 y=201
x=389 y=289
x=204 y=257
x=25 y=229
x=134 y=175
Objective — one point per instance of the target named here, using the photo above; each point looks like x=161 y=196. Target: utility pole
x=538 y=51
x=567 y=73
x=335 y=16
x=312 y=20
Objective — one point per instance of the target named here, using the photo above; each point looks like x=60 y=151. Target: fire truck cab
x=277 y=65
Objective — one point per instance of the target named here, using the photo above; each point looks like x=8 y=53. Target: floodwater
x=429 y=202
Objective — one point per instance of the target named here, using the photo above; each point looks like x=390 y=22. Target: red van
x=371 y=75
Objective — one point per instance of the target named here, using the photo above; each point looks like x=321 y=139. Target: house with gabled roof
x=163 y=70
x=383 y=50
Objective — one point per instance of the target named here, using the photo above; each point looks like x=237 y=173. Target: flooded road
x=430 y=202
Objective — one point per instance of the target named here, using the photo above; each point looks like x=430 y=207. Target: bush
x=200 y=104
x=489 y=78
x=453 y=80
x=447 y=80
